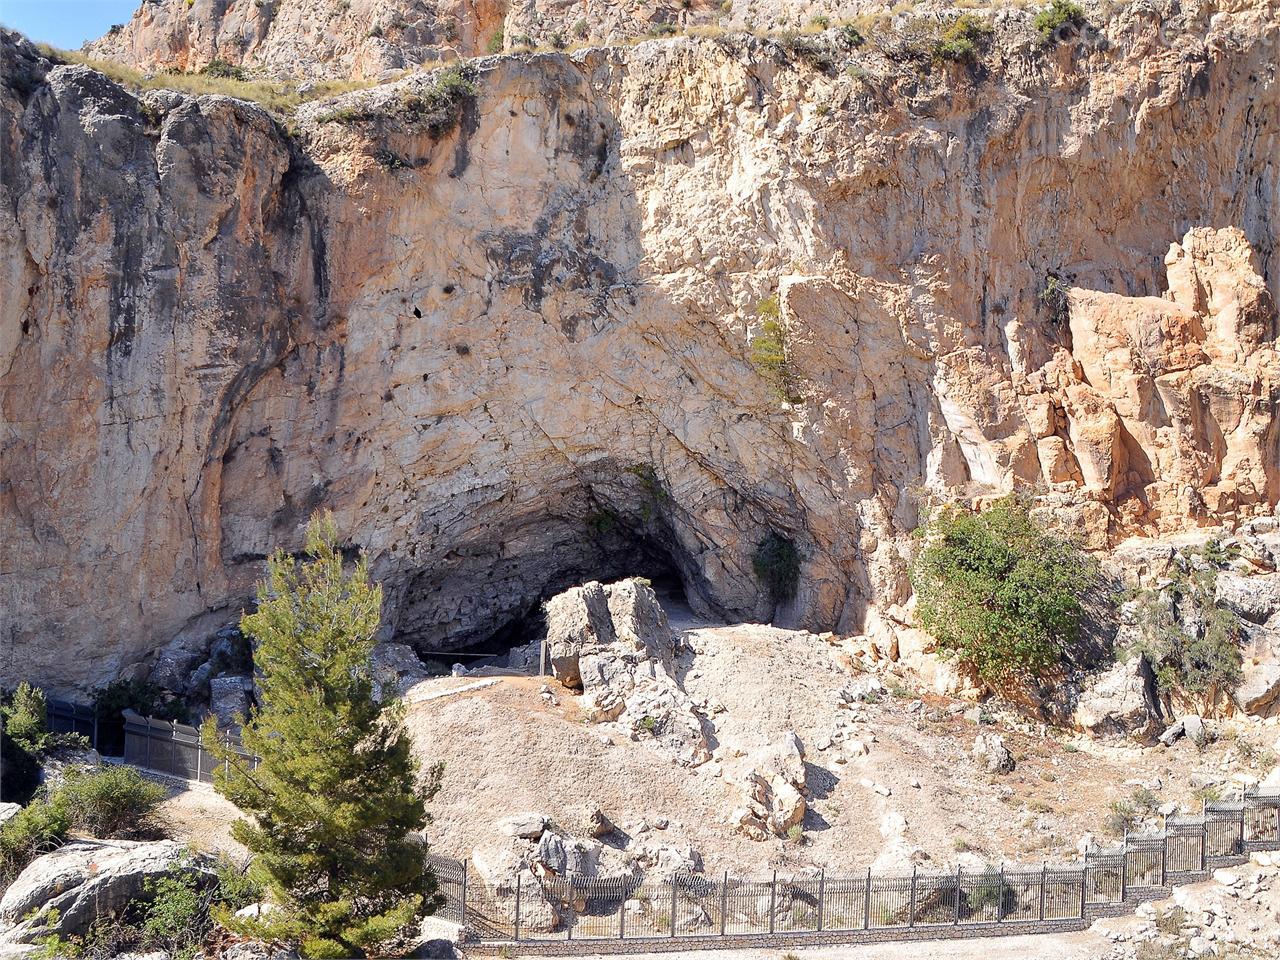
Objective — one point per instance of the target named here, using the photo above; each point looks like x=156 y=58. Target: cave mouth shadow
x=514 y=645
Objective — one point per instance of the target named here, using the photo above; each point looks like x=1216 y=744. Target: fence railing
x=166 y=746
x=63 y=716
x=864 y=906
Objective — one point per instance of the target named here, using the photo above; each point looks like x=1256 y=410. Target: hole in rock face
x=513 y=640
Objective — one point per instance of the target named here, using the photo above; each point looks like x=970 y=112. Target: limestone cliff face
x=517 y=357
x=367 y=39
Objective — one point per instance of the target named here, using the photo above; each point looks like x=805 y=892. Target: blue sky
x=65 y=23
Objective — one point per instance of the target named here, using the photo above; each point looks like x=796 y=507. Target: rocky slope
x=513 y=354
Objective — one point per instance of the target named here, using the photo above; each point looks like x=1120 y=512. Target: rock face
x=327 y=40
x=82 y=881
x=1120 y=700
x=515 y=356
x=614 y=643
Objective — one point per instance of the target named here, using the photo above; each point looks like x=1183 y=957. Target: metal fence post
x=1124 y=869
x=1164 y=858
x=1044 y=870
x=463 y=921
x=148 y=750
x=622 y=915
x=911 y=905
x=1084 y=887
x=866 y=904
x=673 y=904
x=724 y=902
x=773 y=898
x=519 y=884
x=822 y=895
x=956 y=920
x=1000 y=895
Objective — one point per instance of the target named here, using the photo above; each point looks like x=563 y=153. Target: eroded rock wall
x=518 y=357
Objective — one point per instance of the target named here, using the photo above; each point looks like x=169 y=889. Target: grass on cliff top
x=280 y=98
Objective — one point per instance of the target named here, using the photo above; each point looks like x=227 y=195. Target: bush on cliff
x=337 y=790
x=1192 y=643
x=1056 y=19
x=999 y=592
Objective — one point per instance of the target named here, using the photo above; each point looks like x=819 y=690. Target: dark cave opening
x=515 y=643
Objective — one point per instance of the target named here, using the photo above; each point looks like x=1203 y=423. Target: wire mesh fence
x=531 y=908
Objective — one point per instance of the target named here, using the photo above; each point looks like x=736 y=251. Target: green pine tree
x=337 y=791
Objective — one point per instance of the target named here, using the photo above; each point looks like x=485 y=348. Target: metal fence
x=175 y=748
x=62 y=716
x=863 y=906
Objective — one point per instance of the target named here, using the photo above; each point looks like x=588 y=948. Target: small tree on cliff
x=999 y=592
x=336 y=791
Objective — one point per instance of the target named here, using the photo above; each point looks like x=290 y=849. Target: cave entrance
x=515 y=645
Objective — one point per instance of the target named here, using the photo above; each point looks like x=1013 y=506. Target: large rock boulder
x=1120 y=701
x=1259 y=690
x=63 y=892
x=614 y=644
x=774 y=788
x=990 y=751
x=1256 y=599
x=8 y=811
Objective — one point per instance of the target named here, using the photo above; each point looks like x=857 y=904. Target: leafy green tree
x=337 y=790
x=997 y=591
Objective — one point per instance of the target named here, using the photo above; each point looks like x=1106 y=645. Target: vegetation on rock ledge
x=999 y=592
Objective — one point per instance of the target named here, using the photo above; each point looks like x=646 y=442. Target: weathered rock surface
x=614 y=643
x=989 y=750
x=775 y=791
x=1120 y=700
x=213 y=328
x=8 y=811
x=321 y=39
x=65 y=891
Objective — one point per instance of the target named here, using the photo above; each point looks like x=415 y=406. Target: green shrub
x=1060 y=13
x=109 y=802
x=999 y=592
x=769 y=352
x=1192 y=644
x=777 y=565
x=851 y=36
x=217 y=67
x=21 y=770
x=25 y=718
x=141 y=696
x=34 y=830
x=177 y=917
x=1053 y=297
x=962 y=39
x=495 y=42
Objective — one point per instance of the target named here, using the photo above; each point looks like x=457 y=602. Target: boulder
x=1120 y=701
x=55 y=767
x=615 y=645
x=229 y=700
x=8 y=811
x=1256 y=599
x=527 y=826
x=990 y=751
x=1259 y=691
x=774 y=788
x=63 y=892
x=396 y=669
x=577 y=620
x=501 y=867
